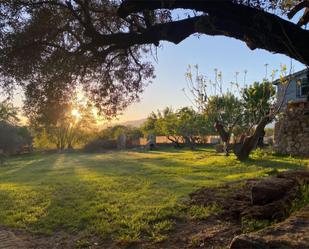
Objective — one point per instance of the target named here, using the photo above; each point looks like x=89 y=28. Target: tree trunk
x=243 y=149
x=260 y=143
x=256 y=27
x=174 y=141
x=189 y=141
x=224 y=135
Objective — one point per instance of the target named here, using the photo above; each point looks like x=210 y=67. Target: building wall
x=164 y=140
x=292 y=91
x=292 y=130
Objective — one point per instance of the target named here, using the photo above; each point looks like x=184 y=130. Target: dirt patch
x=8 y=240
x=246 y=206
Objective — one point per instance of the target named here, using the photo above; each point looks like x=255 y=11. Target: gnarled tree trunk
x=224 y=135
x=175 y=141
x=243 y=149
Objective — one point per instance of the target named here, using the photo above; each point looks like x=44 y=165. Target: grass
x=197 y=212
x=126 y=196
x=302 y=200
x=251 y=225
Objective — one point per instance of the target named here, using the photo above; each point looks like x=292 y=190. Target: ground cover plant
x=124 y=197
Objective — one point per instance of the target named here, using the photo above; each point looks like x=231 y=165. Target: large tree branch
x=305 y=17
x=259 y=29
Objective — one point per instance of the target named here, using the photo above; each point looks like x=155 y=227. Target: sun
x=75 y=113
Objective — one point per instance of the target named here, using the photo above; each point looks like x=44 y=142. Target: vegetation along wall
x=292 y=130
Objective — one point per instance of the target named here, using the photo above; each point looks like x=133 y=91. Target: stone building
x=292 y=128
x=298 y=88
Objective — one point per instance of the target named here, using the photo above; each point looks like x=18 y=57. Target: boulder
x=293 y=233
x=269 y=190
x=299 y=176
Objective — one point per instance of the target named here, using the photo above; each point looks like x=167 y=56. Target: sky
x=226 y=54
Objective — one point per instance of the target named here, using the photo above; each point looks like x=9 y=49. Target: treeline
x=108 y=137
x=13 y=138
x=242 y=117
x=183 y=126
x=71 y=124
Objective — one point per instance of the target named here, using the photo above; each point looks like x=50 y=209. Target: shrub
x=14 y=139
x=99 y=144
x=219 y=148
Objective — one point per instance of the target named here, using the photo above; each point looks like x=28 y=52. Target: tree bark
x=243 y=149
x=224 y=135
x=190 y=142
x=175 y=141
x=257 y=28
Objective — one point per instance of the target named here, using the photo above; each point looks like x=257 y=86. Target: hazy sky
x=226 y=54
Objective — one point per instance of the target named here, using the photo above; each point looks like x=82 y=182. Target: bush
x=14 y=139
x=219 y=148
x=100 y=144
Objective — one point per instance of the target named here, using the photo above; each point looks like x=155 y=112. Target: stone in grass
x=293 y=233
x=300 y=176
x=269 y=190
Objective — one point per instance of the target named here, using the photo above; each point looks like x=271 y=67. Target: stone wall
x=292 y=130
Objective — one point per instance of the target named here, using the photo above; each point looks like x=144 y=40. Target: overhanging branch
x=259 y=29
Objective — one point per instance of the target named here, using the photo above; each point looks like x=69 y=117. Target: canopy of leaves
x=45 y=58
x=113 y=133
x=13 y=138
x=104 y=46
x=258 y=99
x=62 y=119
x=225 y=108
x=8 y=113
x=182 y=123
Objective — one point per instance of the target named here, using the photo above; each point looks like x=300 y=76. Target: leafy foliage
x=258 y=101
x=50 y=59
x=8 y=113
x=113 y=132
x=62 y=122
x=13 y=138
x=184 y=124
x=227 y=109
x=104 y=46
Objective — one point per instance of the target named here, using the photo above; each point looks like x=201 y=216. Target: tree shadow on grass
x=90 y=189
x=31 y=171
x=275 y=164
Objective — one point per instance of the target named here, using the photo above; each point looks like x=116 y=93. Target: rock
x=244 y=242
x=219 y=148
x=268 y=190
x=300 y=176
x=272 y=211
x=292 y=233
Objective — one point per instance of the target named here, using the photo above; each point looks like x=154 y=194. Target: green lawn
x=123 y=195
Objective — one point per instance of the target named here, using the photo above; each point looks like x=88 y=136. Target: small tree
x=192 y=126
x=150 y=125
x=164 y=123
x=225 y=113
x=113 y=132
x=245 y=116
x=184 y=125
x=63 y=121
x=257 y=99
x=168 y=125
